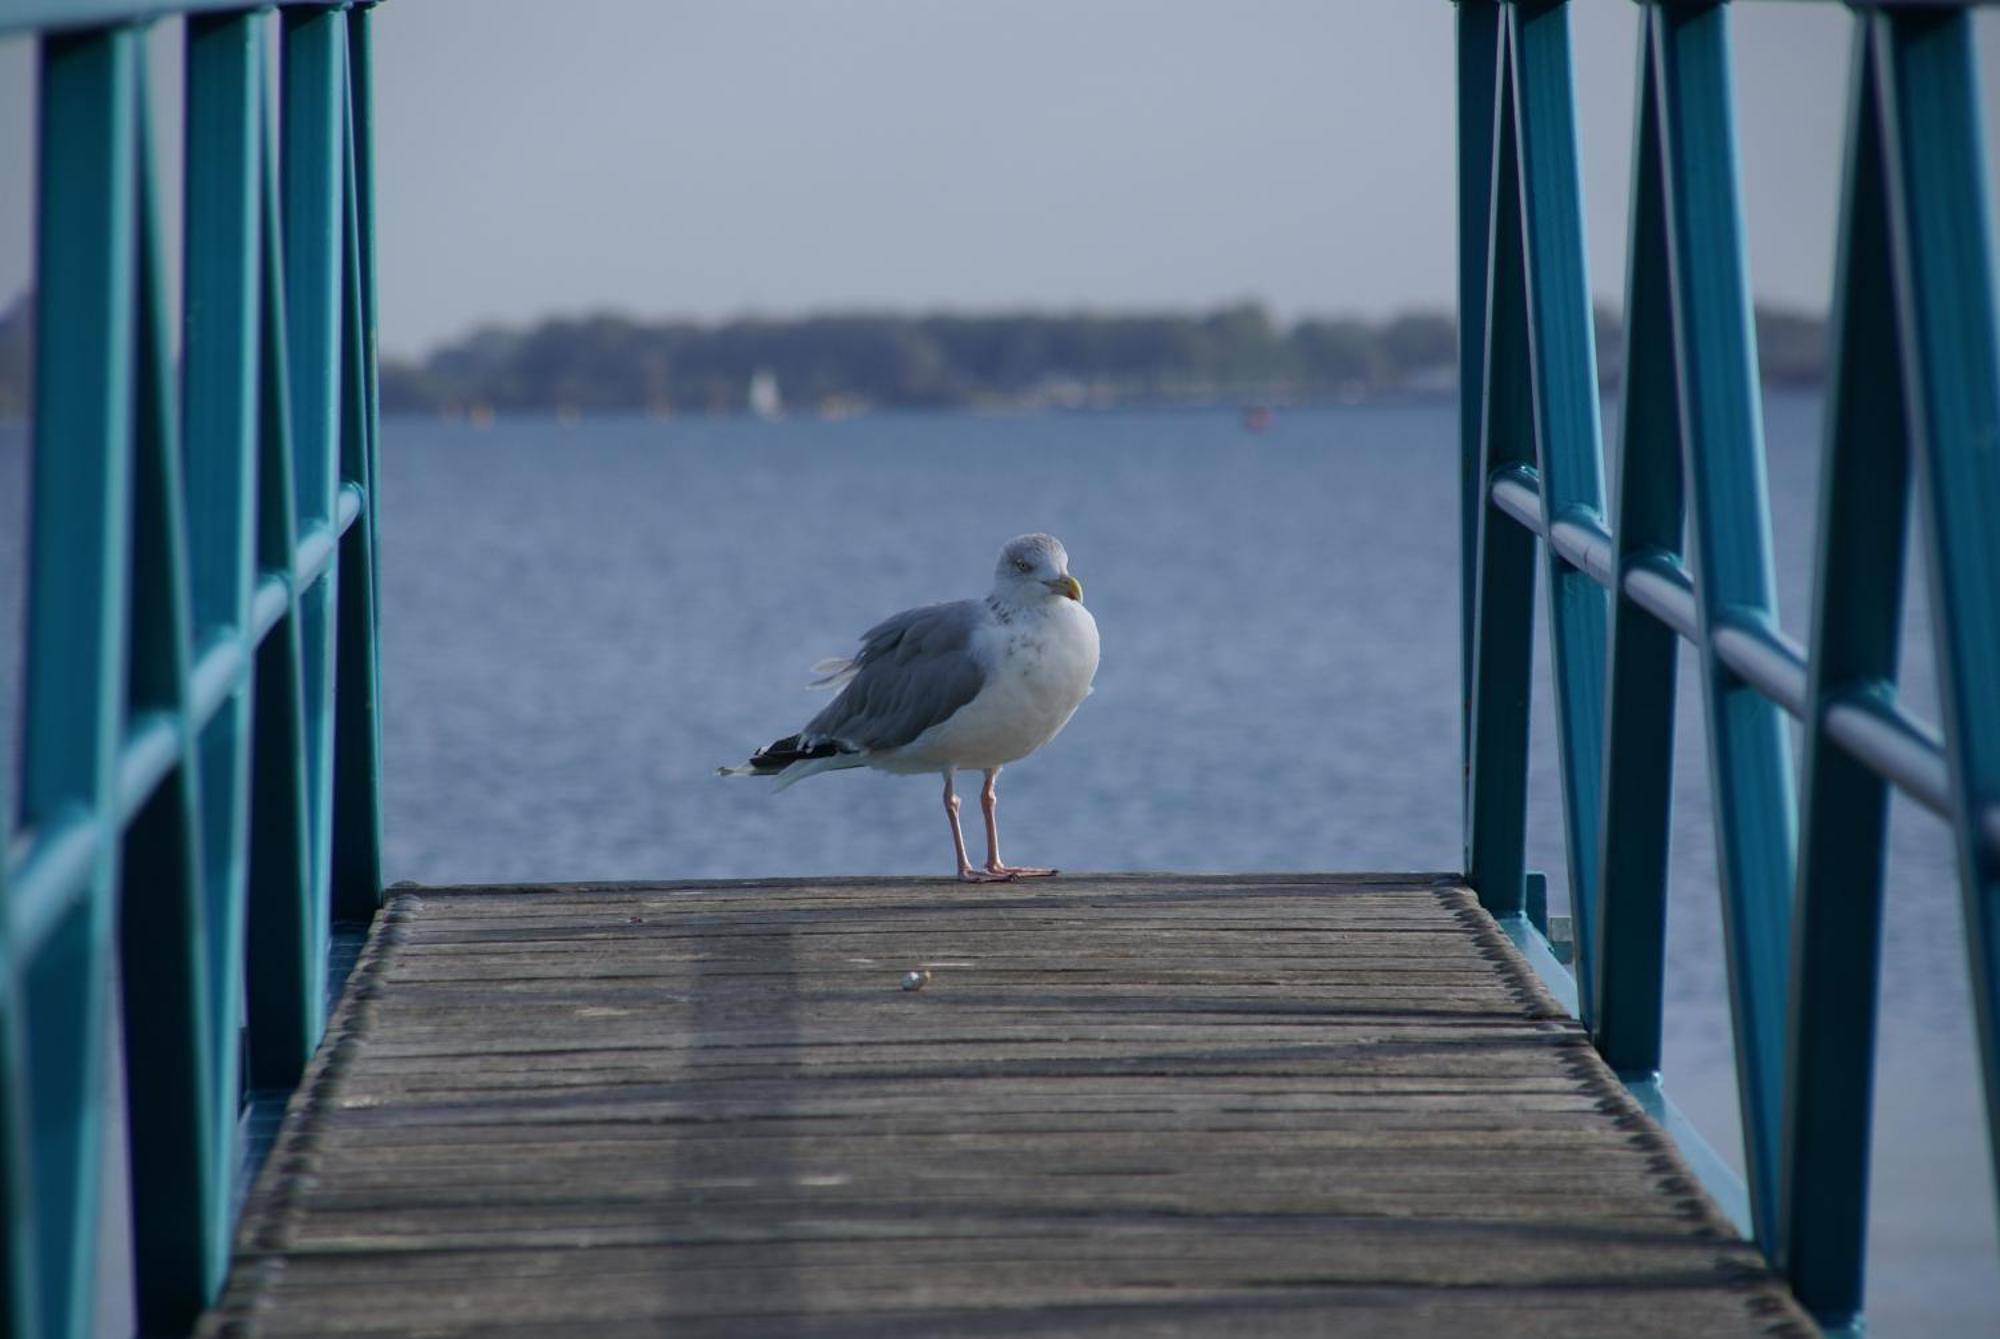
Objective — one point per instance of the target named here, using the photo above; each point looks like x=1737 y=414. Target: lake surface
x=581 y=622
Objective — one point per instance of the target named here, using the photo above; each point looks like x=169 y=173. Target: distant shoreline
x=484 y=416
x=838 y=365
x=1410 y=400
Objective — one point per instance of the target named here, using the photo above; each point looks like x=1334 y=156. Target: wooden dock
x=1133 y=1105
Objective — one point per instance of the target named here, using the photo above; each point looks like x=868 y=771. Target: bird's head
x=1034 y=569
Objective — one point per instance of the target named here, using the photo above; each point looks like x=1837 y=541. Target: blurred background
x=713 y=333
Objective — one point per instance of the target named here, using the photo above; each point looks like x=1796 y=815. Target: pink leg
x=987 y=804
x=965 y=869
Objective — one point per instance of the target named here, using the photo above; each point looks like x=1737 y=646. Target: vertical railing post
x=1504 y=585
x=1637 y=796
x=1477 y=51
x=284 y=977
x=1562 y=353
x=1729 y=534
x=1952 y=364
x=357 y=815
x=1857 y=609
x=177 y=1191
x=1536 y=405
x=223 y=242
x=313 y=164
x=76 y=675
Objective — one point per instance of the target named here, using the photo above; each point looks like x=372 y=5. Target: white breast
x=1039 y=667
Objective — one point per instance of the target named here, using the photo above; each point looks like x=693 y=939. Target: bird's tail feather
x=799 y=771
x=793 y=759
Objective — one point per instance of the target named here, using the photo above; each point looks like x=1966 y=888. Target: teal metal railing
x=198 y=793
x=1683 y=551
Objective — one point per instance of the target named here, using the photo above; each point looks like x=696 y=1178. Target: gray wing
x=914 y=670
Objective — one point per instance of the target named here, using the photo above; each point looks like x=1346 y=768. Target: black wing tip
x=776 y=756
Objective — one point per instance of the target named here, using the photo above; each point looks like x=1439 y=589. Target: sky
x=669 y=158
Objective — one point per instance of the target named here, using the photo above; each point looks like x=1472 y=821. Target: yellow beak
x=1068 y=585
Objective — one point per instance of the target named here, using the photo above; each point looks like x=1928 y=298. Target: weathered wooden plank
x=601 y=1028
x=1372 y=1252
x=1191 y=1105
x=1124 y=1106
x=963 y=1158
x=472 y=1154
x=1214 y=1008
x=1259 y=1313
x=380 y=1227
x=711 y=1278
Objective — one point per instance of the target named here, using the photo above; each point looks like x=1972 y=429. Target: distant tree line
x=613 y=363
x=845 y=362
x=1034 y=360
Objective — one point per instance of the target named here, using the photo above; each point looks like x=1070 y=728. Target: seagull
x=968 y=684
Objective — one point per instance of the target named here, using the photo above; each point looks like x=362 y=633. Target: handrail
x=200 y=763
x=1683 y=553
x=1866 y=721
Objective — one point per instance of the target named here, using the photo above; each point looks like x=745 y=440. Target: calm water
x=581 y=622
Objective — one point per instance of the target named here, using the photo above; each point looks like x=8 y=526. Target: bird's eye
x=1023 y=565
